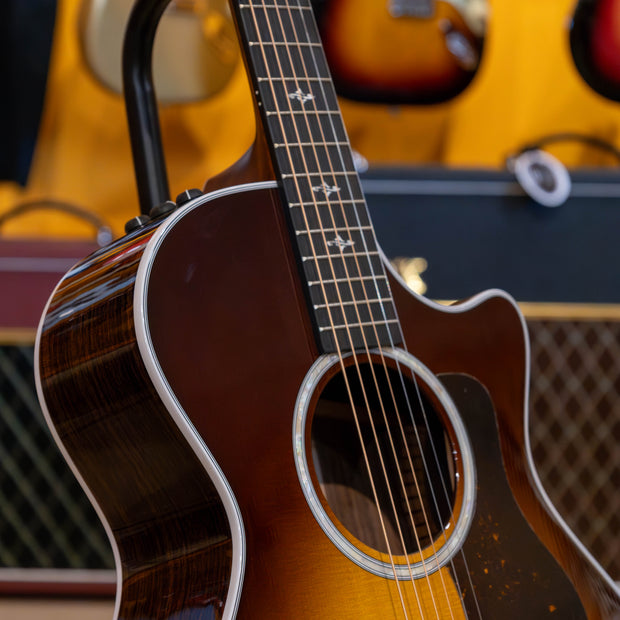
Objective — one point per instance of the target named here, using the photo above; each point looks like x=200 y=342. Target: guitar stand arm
x=141 y=103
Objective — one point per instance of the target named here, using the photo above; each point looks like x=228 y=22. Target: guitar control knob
x=187 y=195
x=136 y=223
x=162 y=209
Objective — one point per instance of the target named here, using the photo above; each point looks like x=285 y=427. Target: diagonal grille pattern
x=46 y=521
x=575 y=427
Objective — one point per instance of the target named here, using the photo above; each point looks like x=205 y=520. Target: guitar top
x=271 y=425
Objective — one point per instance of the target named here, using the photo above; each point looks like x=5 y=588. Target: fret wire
x=293 y=79
x=285 y=44
x=301 y=175
x=274 y=6
x=326 y=203
x=314 y=231
x=336 y=256
x=302 y=113
x=279 y=145
x=363 y=324
x=378 y=300
x=378 y=278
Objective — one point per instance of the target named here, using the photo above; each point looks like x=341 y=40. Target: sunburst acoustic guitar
x=271 y=425
x=402 y=51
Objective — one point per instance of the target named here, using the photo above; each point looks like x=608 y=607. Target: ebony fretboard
x=349 y=295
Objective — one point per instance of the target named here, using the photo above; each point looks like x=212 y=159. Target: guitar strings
x=415 y=478
x=355 y=255
x=404 y=390
x=374 y=376
x=375 y=329
x=357 y=262
x=311 y=242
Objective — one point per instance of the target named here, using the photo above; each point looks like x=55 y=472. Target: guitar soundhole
x=384 y=466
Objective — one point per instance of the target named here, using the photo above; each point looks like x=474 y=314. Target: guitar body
x=595 y=45
x=173 y=370
x=377 y=57
x=195 y=54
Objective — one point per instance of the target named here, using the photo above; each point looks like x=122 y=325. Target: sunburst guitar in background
x=402 y=51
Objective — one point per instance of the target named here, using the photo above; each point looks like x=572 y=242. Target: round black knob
x=136 y=222
x=162 y=209
x=187 y=195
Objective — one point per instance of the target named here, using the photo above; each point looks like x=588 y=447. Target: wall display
x=313 y=441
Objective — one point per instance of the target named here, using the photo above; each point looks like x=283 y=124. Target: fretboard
x=347 y=288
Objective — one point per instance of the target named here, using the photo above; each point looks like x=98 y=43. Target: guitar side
x=175 y=410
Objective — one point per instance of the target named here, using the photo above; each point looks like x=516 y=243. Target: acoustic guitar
x=271 y=425
x=595 y=45
x=196 y=50
x=402 y=51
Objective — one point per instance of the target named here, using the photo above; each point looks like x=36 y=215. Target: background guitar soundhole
x=403 y=440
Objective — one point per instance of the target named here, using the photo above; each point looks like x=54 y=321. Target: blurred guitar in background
x=595 y=45
x=402 y=51
x=195 y=53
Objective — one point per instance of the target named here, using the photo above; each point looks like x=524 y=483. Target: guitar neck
x=347 y=288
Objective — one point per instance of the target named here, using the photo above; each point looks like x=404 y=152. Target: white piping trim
x=170 y=401
x=72 y=466
x=470 y=303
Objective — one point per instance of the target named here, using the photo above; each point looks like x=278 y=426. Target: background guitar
x=195 y=54
x=402 y=51
x=595 y=45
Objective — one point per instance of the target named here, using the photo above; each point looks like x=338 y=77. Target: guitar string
x=375 y=379
x=347 y=222
x=428 y=476
x=447 y=499
x=406 y=395
x=322 y=285
x=334 y=227
x=282 y=26
x=395 y=406
x=414 y=475
x=292 y=20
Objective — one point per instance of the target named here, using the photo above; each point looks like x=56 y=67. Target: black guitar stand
x=141 y=104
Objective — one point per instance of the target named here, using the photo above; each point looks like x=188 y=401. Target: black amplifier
x=479 y=229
